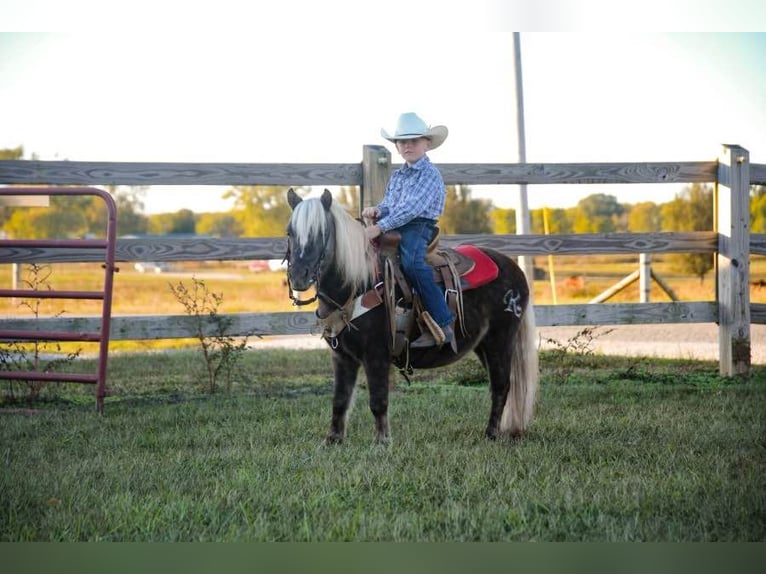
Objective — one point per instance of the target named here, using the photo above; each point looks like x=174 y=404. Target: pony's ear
x=326 y=199
x=293 y=198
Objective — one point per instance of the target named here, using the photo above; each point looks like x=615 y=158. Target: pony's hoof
x=517 y=435
x=491 y=433
x=383 y=440
x=333 y=438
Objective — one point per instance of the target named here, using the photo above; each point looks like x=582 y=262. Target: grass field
x=621 y=450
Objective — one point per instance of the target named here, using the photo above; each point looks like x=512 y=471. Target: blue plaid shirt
x=413 y=191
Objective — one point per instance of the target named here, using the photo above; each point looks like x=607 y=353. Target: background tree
x=182 y=221
x=558 y=222
x=463 y=214
x=9 y=153
x=75 y=216
x=130 y=219
x=503 y=221
x=219 y=224
x=691 y=210
x=12 y=152
x=62 y=219
x=758 y=209
x=597 y=213
x=644 y=217
x=261 y=210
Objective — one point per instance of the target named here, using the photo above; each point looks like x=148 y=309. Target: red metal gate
x=108 y=246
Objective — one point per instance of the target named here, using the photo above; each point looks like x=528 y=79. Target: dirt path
x=686 y=341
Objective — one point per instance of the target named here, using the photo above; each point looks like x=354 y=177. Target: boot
x=428 y=340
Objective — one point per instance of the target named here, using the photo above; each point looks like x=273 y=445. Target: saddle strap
x=453 y=292
x=399 y=316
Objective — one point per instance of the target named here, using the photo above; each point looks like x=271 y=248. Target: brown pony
x=328 y=249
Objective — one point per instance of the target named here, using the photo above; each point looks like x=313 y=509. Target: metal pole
x=522 y=213
x=551 y=273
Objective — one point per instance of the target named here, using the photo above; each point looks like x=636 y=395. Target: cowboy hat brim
x=410 y=126
x=437 y=135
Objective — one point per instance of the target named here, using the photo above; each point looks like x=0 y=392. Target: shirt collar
x=418 y=165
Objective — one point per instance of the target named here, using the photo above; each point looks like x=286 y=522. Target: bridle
x=315 y=275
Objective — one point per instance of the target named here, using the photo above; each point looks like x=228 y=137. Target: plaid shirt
x=413 y=191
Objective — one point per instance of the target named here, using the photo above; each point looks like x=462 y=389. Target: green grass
x=620 y=450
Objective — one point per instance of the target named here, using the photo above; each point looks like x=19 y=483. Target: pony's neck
x=333 y=291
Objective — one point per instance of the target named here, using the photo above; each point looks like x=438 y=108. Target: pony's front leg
x=345 y=370
x=377 y=372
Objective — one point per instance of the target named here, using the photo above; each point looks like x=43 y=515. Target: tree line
x=262 y=211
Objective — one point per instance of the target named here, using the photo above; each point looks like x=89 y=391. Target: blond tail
x=520 y=404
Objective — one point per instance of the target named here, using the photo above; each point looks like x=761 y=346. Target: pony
x=327 y=249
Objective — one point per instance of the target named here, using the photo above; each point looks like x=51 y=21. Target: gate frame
x=105 y=295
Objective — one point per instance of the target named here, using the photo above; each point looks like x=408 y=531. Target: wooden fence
x=732 y=173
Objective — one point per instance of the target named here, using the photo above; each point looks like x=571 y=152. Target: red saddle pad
x=483 y=272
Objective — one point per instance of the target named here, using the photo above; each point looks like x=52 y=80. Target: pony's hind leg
x=497 y=363
x=345 y=370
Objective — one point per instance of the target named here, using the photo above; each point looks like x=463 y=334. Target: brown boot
x=428 y=340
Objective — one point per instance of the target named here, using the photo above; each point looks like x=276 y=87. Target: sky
x=287 y=83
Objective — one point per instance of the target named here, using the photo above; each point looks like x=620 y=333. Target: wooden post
x=645 y=277
x=733 y=260
x=663 y=285
x=616 y=288
x=376 y=170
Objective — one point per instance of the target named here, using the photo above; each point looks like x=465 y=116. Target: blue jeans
x=415 y=238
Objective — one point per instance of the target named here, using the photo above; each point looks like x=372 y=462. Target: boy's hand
x=370 y=212
x=372 y=231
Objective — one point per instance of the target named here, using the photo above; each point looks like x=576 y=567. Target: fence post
x=645 y=277
x=733 y=260
x=376 y=170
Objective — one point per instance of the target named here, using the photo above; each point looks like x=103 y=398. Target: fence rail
x=732 y=241
x=211 y=249
x=139 y=173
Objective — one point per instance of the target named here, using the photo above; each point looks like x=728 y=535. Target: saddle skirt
x=483 y=270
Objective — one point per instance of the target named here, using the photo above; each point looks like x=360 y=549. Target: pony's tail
x=520 y=404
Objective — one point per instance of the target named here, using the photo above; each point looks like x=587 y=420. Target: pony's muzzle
x=301 y=279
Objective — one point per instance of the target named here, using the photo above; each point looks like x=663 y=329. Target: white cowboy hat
x=410 y=126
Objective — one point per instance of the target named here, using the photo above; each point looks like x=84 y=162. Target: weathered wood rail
x=732 y=241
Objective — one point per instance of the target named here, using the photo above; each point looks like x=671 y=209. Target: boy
x=413 y=202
